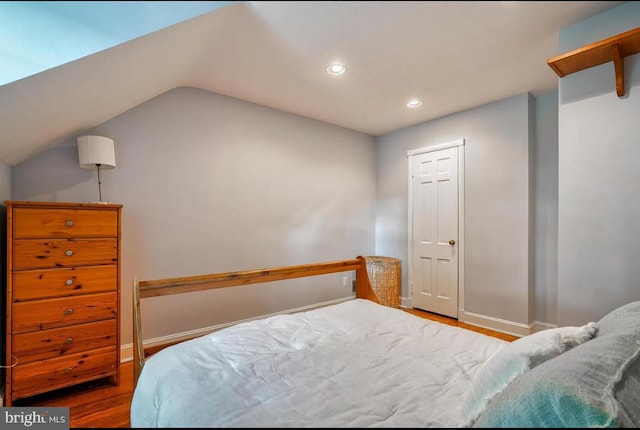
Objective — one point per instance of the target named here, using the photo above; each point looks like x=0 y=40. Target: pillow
x=627 y=391
x=517 y=358
x=595 y=384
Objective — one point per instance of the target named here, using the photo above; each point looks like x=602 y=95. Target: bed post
x=138 y=351
x=363 y=285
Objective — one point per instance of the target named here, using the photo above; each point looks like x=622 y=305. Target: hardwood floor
x=455 y=322
x=95 y=404
x=99 y=404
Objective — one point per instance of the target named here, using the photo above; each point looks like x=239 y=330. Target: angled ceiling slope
x=39 y=35
x=274 y=53
x=54 y=105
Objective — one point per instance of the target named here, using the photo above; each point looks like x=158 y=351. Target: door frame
x=459 y=143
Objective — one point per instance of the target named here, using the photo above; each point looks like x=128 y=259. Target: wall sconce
x=96 y=151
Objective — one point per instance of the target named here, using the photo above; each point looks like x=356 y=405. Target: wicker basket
x=384 y=274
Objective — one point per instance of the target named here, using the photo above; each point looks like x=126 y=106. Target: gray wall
x=599 y=192
x=498 y=269
x=5 y=183
x=546 y=224
x=211 y=183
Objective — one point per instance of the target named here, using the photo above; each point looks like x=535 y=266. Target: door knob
x=452 y=242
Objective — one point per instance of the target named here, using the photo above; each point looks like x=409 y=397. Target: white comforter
x=354 y=364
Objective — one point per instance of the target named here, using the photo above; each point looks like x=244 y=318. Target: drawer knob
x=69 y=281
x=69 y=223
x=68 y=252
x=68 y=311
x=68 y=340
x=68 y=370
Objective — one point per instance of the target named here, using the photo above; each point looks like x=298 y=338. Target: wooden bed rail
x=164 y=287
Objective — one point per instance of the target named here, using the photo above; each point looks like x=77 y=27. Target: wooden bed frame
x=169 y=286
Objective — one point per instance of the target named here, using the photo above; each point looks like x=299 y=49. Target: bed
x=361 y=364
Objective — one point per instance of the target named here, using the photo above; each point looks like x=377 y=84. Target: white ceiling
x=452 y=54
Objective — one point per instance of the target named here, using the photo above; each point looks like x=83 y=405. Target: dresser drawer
x=44 y=223
x=41 y=254
x=50 y=313
x=38 y=284
x=57 y=342
x=47 y=375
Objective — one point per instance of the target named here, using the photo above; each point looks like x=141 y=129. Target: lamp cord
x=99 y=182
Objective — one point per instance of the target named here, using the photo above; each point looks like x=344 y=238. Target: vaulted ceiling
x=451 y=55
x=39 y=35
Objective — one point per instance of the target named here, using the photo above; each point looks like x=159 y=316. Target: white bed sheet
x=353 y=364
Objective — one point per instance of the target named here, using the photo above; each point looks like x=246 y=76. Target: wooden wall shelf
x=614 y=49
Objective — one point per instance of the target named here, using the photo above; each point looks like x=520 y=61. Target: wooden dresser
x=63 y=296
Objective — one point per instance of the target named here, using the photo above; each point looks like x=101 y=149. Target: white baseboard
x=126 y=351
x=406 y=303
x=496 y=324
x=492 y=323
x=504 y=326
x=537 y=326
x=484 y=321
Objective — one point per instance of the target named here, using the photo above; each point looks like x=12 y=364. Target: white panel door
x=434 y=187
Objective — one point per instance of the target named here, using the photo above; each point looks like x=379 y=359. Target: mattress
x=353 y=364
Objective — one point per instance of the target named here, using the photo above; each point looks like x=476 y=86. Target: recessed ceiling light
x=414 y=103
x=336 y=69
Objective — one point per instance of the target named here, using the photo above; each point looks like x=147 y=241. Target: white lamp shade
x=93 y=150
